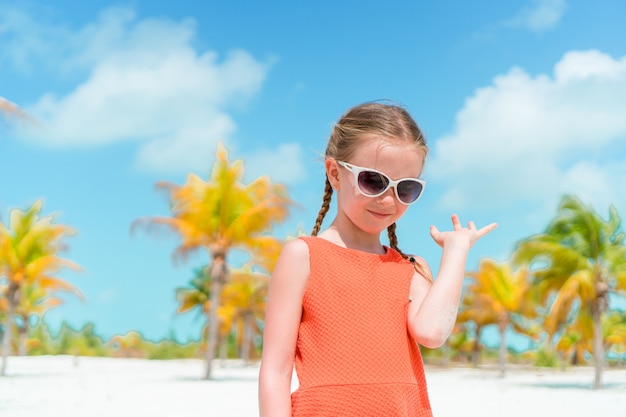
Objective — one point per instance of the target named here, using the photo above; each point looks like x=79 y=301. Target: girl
x=348 y=310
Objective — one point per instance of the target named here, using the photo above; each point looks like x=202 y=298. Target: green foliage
x=68 y=341
x=40 y=340
x=170 y=349
x=576 y=261
x=86 y=342
x=547 y=357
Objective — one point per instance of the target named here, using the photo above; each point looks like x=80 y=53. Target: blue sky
x=520 y=101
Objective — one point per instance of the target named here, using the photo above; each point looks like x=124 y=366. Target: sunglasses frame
x=356 y=170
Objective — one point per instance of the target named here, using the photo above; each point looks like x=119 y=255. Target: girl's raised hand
x=460 y=234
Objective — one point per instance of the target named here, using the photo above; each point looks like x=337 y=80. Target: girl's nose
x=388 y=197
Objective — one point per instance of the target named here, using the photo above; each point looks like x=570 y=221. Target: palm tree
x=475 y=313
x=29 y=249
x=576 y=339
x=3 y=312
x=218 y=216
x=197 y=296
x=614 y=330
x=498 y=295
x=460 y=344
x=36 y=300
x=245 y=295
x=242 y=304
x=7 y=108
x=578 y=261
x=129 y=345
x=10 y=111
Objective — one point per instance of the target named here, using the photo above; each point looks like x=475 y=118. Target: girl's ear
x=332 y=172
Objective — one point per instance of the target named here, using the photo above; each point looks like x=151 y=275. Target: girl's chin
x=377 y=227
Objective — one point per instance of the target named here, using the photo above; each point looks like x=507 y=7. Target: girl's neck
x=353 y=238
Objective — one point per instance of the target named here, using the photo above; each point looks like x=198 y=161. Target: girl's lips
x=381 y=215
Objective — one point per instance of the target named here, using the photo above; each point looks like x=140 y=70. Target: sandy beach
x=99 y=387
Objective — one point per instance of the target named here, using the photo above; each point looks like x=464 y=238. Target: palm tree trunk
x=445 y=353
x=218 y=271
x=598 y=349
x=598 y=308
x=502 y=351
x=476 y=348
x=12 y=294
x=6 y=343
x=247 y=339
x=214 y=325
x=23 y=337
x=23 y=332
x=223 y=350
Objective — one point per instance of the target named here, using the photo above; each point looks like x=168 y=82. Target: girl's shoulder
x=296 y=248
x=292 y=269
x=301 y=247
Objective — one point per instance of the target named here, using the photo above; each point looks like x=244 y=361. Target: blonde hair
x=360 y=123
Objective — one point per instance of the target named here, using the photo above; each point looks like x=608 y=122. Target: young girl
x=347 y=310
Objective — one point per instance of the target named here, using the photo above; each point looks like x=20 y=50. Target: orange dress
x=354 y=354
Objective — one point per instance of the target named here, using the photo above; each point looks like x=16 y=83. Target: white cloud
x=601 y=184
x=145 y=82
x=525 y=140
x=542 y=15
x=283 y=165
x=188 y=148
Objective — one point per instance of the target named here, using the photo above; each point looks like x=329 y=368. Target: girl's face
x=396 y=159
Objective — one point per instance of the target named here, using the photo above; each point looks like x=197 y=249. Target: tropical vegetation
x=562 y=291
x=29 y=263
x=12 y=112
x=218 y=216
x=8 y=109
x=495 y=296
x=576 y=264
x=241 y=309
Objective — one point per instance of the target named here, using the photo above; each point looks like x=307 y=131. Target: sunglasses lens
x=372 y=183
x=409 y=191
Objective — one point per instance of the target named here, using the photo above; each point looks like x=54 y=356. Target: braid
x=328 y=193
x=393 y=243
x=393 y=239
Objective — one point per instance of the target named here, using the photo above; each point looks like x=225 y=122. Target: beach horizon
x=71 y=386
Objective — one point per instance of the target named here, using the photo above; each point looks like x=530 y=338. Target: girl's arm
x=282 y=320
x=434 y=306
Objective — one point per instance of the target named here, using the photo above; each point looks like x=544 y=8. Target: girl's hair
x=358 y=124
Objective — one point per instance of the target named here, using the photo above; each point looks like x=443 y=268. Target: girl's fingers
x=471 y=226
x=456 y=223
x=487 y=229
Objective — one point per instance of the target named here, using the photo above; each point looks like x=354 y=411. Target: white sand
x=56 y=386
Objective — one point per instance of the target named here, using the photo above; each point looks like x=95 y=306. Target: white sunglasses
x=372 y=183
